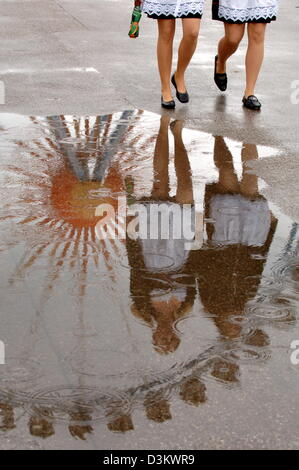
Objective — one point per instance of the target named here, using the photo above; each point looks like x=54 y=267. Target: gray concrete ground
x=74 y=57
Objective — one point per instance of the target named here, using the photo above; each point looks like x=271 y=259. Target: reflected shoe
x=182 y=97
x=251 y=102
x=167 y=104
x=220 y=78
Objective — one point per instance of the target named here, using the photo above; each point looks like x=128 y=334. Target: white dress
x=245 y=11
x=173 y=8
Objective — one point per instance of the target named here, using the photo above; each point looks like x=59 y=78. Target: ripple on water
x=271 y=312
x=71 y=140
x=249 y=355
x=66 y=402
x=20 y=371
x=167 y=262
x=285 y=267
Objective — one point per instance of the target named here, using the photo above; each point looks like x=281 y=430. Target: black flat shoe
x=220 y=78
x=251 y=102
x=167 y=104
x=182 y=97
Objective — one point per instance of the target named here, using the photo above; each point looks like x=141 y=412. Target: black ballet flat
x=182 y=97
x=167 y=104
x=251 y=102
x=220 y=78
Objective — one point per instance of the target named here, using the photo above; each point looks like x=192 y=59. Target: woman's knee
x=234 y=35
x=166 y=30
x=256 y=33
x=234 y=40
x=191 y=35
x=191 y=27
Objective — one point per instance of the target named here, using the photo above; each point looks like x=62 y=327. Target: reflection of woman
x=240 y=232
x=239 y=238
x=166 y=12
x=162 y=287
x=235 y=14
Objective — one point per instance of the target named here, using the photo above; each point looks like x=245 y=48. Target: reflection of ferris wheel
x=76 y=164
x=64 y=174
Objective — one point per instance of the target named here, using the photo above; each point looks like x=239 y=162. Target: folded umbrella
x=136 y=17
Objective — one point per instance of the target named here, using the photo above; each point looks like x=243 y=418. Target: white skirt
x=245 y=11
x=173 y=8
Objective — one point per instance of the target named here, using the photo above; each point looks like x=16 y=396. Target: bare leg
x=164 y=54
x=229 y=44
x=187 y=48
x=223 y=159
x=249 y=183
x=184 y=193
x=255 y=55
x=161 y=159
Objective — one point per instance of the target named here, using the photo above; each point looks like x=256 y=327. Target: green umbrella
x=136 y=16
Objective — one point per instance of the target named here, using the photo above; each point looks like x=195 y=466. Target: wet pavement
x=150 y=342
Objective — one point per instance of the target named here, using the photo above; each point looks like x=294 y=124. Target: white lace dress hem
x=176 y=8
x=248 y=14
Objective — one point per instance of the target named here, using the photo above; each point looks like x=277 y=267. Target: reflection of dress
x=168 y=251
x=238 y=219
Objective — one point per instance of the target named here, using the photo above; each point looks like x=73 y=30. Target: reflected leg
x=249 y=183
x=184 y=194
x=161 y=159
x=224 y=162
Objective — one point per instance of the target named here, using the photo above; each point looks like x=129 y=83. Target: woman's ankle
x=221 y=65
x=249 y=92
x=166 y=93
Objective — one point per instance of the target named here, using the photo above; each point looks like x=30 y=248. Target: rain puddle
x=115 y=331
